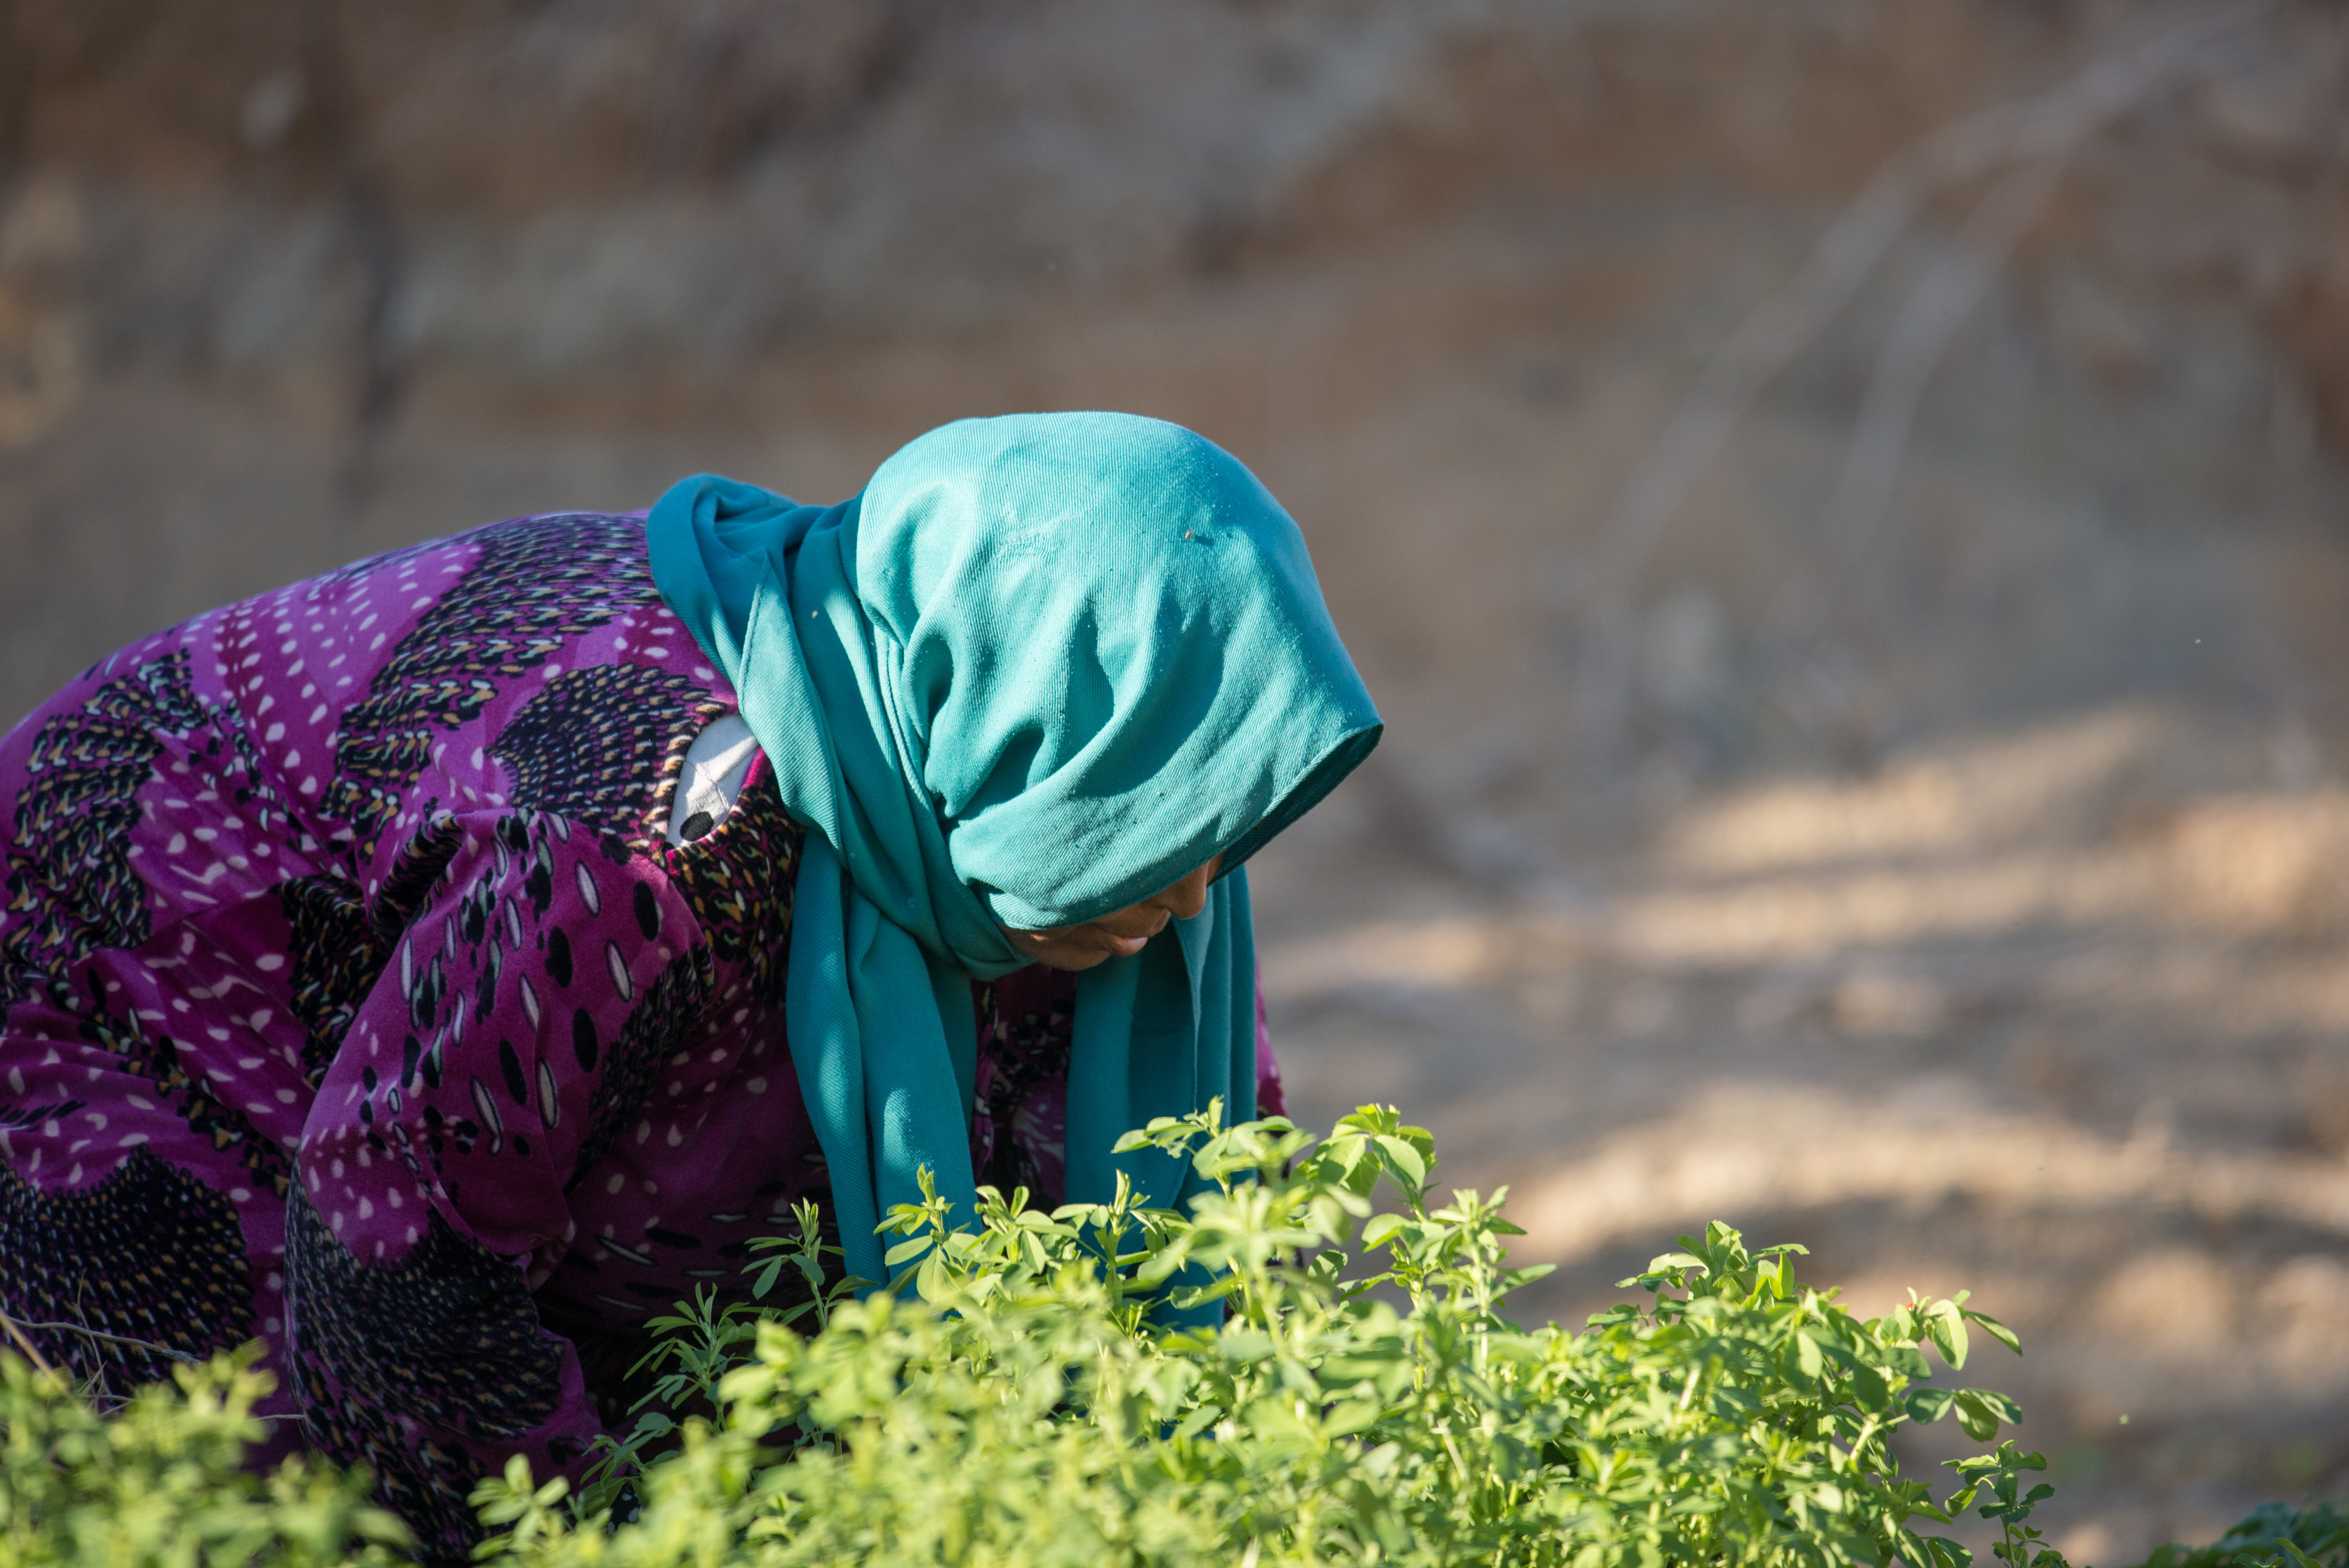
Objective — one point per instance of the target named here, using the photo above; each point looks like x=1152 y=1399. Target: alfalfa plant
x=1312 y=1366
x=1025 y=1404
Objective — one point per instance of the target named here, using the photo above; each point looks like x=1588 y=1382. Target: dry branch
x=18 y=1330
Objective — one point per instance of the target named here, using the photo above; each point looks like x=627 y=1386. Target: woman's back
x=359 y=995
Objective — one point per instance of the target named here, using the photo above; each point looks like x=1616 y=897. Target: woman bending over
x=435 y=968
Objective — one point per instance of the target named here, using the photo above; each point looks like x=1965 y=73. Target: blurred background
x=1841 y=503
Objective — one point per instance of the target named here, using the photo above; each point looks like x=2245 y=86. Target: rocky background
x=1841 y=502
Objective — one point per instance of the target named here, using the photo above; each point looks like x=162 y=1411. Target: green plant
x=2273 y=1534
x=157 y=1481
x=1366 y=1400
x=1022 y=1408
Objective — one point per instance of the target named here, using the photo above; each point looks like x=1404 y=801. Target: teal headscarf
x=1042 y=668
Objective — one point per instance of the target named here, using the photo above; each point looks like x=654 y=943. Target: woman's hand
x=1121 y=934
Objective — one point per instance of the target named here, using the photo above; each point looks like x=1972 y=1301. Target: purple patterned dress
x=354 y=998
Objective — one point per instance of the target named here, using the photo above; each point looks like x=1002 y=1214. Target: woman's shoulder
x=528 y=665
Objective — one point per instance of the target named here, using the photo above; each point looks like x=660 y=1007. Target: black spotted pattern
x=70 y=884
x=151 y=1253
x=417 y=872
x=336 y=953
x=157 y=1058
x=583 y=747
x=1034 y=1020
x=669 y=1013
x=538 y=582
x=742 y=894
x=446 y=1337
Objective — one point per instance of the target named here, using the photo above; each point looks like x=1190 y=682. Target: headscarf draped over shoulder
x=1043 y=666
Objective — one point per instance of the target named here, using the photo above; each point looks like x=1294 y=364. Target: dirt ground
x=1923 y=834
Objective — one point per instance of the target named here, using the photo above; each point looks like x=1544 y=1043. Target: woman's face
x=1121 y=934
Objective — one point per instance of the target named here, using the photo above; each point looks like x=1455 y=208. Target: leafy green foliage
x=157 y=1481
x=1024 y=1406
x=2274 y=1535
x=1366 y=1400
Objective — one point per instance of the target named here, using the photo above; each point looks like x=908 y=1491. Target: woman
x=432 y=969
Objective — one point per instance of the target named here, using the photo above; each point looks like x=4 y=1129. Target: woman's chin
x=1074 y=956
x=1080 y=947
